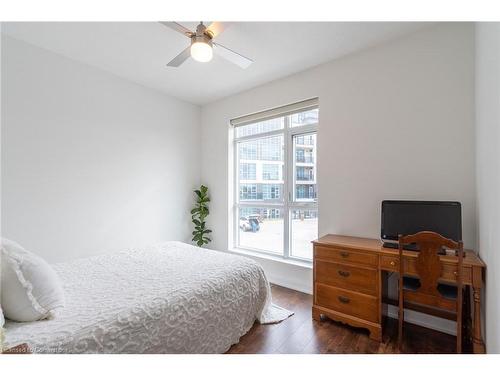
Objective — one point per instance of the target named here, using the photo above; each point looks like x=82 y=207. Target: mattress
x=169 y=298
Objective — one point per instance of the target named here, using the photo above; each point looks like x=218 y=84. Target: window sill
x=255 y=254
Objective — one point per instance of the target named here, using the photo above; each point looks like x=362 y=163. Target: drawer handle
x=393 y=263
x=343 y=299
x=344 y=254
x=344 y=273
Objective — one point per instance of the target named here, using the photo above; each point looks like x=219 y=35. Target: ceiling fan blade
x=234 y=57
x=216 y=28
x=180 y=58
x=178 y=27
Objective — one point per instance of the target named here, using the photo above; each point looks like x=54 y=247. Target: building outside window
x=249 y=151
x=275 y=161
x=305 y=173
x=270 y=191
x=271 y=148
x=306 y=192
x=248 y=192
x=248 y=171
x=304 y=155
x=271 y=171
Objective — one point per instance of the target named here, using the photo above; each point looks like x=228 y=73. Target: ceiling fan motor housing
x=201 y=39
x=202 y=35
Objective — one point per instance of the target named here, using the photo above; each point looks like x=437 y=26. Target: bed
x=169 y=298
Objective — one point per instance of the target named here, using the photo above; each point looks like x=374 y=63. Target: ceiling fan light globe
x=201 y=51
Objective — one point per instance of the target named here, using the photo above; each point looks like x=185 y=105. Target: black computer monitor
x=410 y=217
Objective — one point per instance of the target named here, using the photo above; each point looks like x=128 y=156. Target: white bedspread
x=170 y=298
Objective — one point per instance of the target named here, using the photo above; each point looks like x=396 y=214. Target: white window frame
x=289 y=202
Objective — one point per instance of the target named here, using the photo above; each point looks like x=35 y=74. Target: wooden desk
x=348 y=281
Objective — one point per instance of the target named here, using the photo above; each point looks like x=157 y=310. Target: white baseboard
x=424 y=320
x=286 y=283
x=293 y=276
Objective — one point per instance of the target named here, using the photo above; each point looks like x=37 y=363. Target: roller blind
x=275 y=112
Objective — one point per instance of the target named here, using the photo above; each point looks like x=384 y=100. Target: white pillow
x=31 y=289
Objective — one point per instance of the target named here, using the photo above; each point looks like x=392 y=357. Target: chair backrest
x=428 y=264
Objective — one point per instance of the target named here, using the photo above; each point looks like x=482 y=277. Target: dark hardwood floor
x=300 y=334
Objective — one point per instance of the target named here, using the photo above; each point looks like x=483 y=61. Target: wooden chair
x=426 y=290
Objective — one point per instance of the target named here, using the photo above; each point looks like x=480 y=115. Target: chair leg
x=400 y=326
x=459 y=337
x=459 y=326
x=467 y=318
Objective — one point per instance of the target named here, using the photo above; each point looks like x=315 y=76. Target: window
x=248 y=151
x=248 y=192
x=275 y=159
x=271 y=191
x=304 y=118
x=271 y=171
x=304 y=155
x=271 y=148
x=259 y=127
x=248 y=171
x=305 y=192
x=305 y=173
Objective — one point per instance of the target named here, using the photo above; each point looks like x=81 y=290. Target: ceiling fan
x=202 y=45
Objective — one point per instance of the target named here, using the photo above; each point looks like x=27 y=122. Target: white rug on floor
x=274 y=314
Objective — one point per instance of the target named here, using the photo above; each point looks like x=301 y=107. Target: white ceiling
x=139 y=51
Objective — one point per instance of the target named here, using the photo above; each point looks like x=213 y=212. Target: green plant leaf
x=198 y=216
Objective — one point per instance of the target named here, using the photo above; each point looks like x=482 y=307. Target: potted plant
x=198 y=216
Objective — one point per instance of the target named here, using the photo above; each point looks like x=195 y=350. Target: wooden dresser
x=347 y=282
x=348 y=274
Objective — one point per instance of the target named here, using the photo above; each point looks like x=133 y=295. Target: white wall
x=91 y=162
x=396 y=122
x=488 y=170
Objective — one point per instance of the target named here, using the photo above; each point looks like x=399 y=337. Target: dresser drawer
x=348 y=302
x=449 y=270
x=363 y=280
x=389 y=262
x=345 y=255
x=450 y=273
